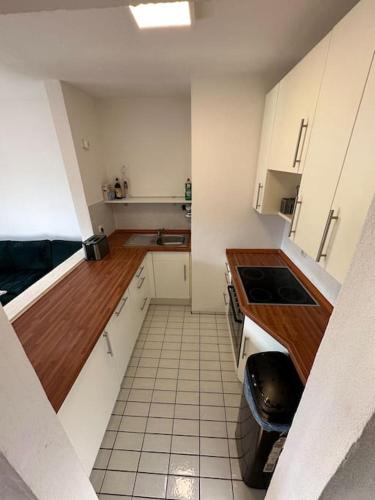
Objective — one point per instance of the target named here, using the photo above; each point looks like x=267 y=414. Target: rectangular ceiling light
x=161 y=15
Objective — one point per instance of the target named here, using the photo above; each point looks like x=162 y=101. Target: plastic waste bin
x=271 y=393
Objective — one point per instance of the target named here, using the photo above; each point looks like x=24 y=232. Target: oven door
x=236 y=321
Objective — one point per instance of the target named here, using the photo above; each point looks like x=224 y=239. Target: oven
x=236 y=321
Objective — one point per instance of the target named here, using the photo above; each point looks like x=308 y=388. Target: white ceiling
x=102 y=51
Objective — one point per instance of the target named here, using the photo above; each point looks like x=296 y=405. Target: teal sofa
x=22 y=263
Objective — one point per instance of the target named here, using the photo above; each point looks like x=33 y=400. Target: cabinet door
x=87 y=408
x=349 y=59
x=355 y=190
x=121 y=333
x=296 y=104
x=254 y=340
x=264 y=148
x=140 y=290
x=172 y=275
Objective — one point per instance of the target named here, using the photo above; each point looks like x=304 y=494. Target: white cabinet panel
x=349 y=58
x=172 y=275
x=355 y=190
x=265 y=145
x=86 y=410
x=296 y=104
x=254 y=340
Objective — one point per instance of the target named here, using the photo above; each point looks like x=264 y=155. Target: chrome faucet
x=160 y=234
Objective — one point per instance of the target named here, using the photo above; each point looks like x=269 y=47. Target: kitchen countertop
x=60 y=330
x=298 y=328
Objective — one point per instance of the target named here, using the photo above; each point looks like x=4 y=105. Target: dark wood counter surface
x=60 y=330
x=298 y=328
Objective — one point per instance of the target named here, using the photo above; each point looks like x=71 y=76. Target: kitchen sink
x=172 y=239
x=152 y=239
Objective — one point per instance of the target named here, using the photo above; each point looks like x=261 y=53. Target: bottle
x=125 y=182
x=188 y=190
x=118 y=190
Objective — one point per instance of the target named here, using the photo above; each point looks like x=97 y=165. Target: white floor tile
x=156 y=463
x=183 y=488
x=124 y=460
x=218 y=489
x=118 y=483
x=157 y=442
x=215 y=467
x=184 y=465
x=150 y=485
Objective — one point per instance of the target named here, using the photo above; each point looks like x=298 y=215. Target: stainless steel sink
x=147 y=239
x=172 y=240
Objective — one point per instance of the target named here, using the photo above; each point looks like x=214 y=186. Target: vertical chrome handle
x=139 y=272
x=141 y=283
x=330 y=218
x=225 y=299
x=122 y=306
x=291 y=230
x=303 y=126
x=144 y=303
x=227 y=266
x=244 y=347
x=185 y=273
x=227 y=279
x=257 y=205
x=109 y=346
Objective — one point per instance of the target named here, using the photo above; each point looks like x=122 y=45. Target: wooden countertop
x=298 y=328
x=60 y=330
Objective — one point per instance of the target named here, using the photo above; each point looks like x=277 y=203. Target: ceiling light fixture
x=161 y=15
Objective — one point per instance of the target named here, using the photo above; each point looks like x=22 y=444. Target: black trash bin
x=271 y=393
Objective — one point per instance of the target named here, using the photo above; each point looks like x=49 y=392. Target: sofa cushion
x=62 y=250
x=16 y=282
x=6 y=263
x=31 y=255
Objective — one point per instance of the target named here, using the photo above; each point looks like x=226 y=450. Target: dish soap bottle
x=188 y=190
x=118 y=190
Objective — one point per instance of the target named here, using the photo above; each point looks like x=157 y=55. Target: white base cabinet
x=87 y=409
x=88 y=406
x=254 y=340
x=171 y=275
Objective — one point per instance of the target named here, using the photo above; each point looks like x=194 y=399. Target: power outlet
x=101 y=229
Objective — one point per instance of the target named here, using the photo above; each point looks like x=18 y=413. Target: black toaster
x=96 y=247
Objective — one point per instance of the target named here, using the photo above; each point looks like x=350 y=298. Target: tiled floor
x=171 y=434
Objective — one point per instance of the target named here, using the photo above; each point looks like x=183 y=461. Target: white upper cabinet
x=296 y=104
x=355 y=190
x=350 y=54
x=265 y=146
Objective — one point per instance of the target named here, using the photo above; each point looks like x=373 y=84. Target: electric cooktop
x=273 y=285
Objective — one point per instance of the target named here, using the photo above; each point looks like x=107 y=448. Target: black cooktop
x=273 y=285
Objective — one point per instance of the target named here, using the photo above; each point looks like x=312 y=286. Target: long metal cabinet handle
x=257 y=205
x=122 y=306
x=139 y=272
x=144 y=303
x=227 y=266
x=141 y=283
x=303 y=126
x=244 y=347
x=185 y=272
x=109 y=346
x=291 y=230
x=330 y=218
x=225 y=298
x=227 y=279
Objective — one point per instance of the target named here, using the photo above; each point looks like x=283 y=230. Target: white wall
x=36 y=201
x=151 y=136
x=325 y=283
x=339 y=397
x=226 y=121
x=84 y=121
x=31 y=436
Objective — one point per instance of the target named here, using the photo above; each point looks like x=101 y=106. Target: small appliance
x=96 y=247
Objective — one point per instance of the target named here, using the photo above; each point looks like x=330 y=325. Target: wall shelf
x=180 y=200
x=287 y=217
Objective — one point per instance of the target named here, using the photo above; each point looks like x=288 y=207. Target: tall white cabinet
x=348 y=65
x=335 y=167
